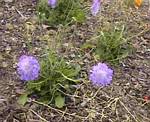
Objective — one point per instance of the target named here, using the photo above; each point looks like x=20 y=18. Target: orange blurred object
x=138 y=3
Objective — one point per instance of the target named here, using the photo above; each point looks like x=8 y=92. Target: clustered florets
x=28 y=68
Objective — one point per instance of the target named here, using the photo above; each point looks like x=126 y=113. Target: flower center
x=102 y=73
x=26 y=66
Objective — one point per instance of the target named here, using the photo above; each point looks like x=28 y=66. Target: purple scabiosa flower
x=95 y=7
x=52 y=3
x=101 y=75
x=28 y=68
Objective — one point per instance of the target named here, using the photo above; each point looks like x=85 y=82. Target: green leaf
x=79 y=16
x=23 y=99
x=87 y=46
x=35 y=85
x=59 y=101
x=76 y=81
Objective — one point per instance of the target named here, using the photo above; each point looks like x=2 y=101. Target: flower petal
x=95 y=7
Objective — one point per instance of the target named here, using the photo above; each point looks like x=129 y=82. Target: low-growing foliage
x=112 y=46
x=65 y=12
x=57 y=77
x=129 y=3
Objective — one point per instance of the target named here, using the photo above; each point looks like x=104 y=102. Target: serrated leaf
x=59 y=101
x=23 y=99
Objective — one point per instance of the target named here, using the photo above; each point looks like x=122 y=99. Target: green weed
x=112 y=46
x=57 y=78
x=66 y=12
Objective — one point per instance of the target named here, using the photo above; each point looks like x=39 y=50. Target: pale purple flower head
x=95 y=7
x=28 y=68
x=52 y=3
x=101 y=75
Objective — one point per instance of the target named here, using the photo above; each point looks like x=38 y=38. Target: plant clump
x=63 y=12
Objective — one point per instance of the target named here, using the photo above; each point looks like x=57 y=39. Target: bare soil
x=122 y=101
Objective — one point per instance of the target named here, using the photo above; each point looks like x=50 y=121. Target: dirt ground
x=123 y=101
